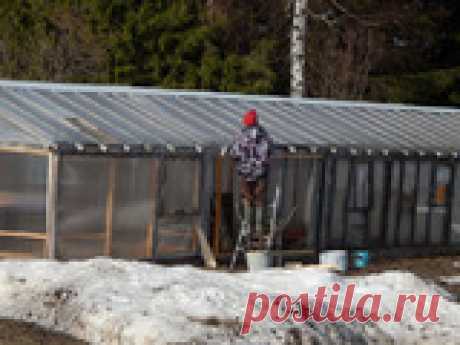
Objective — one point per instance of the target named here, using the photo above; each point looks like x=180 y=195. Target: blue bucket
x=360 y=259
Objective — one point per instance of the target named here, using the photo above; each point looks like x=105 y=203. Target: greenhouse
x=139 y=173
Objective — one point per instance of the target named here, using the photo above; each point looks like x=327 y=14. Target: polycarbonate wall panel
x=23 y=192
x=407 y=202
x=336 y=210
x=393 y=207
x=134 y=206
x=455 y=227
x=106 y=207
x=295 y=175
x=228 y=224
x=407 y=205
x=179 y=208
x=376 y=210
x=180 y=186
x=440 y=200
x=81 y=212
x=23 y=180
x=358 y=203
x=306 y=198
x=423 y=203
x=23 y=247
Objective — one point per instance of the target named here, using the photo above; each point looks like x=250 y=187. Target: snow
x=107 y=301
x=408 y=331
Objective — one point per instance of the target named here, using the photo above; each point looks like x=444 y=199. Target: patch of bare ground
x=13 y=332
x=428 y=269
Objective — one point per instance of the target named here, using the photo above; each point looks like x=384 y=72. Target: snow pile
x=409 y=331
x=112 y=302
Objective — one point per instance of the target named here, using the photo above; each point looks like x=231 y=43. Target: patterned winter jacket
x=252 y=149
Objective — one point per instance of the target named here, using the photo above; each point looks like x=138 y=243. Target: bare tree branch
x=321 y=17
x=340 y=8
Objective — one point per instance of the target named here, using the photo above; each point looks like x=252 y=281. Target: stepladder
x=269 y=238
x=250 y=238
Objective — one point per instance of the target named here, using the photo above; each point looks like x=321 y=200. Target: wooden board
x=24 y=150
x=209 y=258
x=40 y=236
x=109 y=208
x=16 y=255
x=83 y=237
x=196 y=185
x=149 y=241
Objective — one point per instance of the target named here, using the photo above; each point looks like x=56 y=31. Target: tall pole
x=298 y=45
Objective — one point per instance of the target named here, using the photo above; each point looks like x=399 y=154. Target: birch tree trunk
x=298 y=51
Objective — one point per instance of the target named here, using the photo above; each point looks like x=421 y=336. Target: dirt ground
x=20 y=333
x=430 y=268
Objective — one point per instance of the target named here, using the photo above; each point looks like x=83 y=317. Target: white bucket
x=334 y=258
x=257 y=260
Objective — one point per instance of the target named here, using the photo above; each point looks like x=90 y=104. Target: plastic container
x=334 y=258
x=360 y=259
x=258 y=260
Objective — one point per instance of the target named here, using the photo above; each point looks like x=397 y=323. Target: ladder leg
x=259 y=221
x=240 y=244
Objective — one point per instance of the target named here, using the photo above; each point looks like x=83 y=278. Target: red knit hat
x=250 y=118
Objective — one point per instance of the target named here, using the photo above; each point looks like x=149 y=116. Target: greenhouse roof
x=46 y=113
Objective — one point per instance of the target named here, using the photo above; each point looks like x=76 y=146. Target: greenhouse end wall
x=23 y=199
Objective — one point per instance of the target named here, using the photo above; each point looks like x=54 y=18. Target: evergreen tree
x=391 y=51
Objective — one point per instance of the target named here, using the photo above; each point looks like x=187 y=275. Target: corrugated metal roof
x=47 y=113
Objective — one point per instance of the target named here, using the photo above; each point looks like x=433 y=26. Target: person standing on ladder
x=251 y=150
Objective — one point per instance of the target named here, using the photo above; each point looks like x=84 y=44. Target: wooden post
x=149 y=241
x=155 y=181
x=196 y=185
x=196 y=222
x=51 y=203
x=109 y=207
x=218 y=208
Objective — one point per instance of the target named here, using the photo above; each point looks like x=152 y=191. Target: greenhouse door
x=178 y=211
